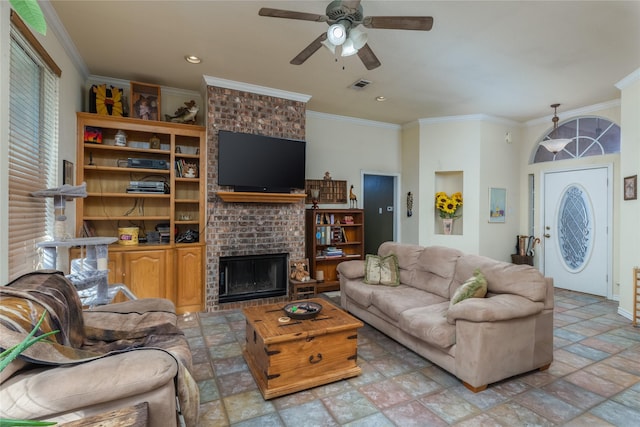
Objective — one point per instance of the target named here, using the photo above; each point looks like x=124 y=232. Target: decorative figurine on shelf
x=300 y=272
x=315 y=197
x=185 y=114
x=327 y=176
x=353 y=200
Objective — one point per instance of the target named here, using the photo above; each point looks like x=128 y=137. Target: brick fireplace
x=237 y=229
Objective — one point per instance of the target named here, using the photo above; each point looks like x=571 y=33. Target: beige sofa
x=479 y=340
x=108 y=358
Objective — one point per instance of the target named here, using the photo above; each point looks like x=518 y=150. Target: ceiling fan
x=343 y=18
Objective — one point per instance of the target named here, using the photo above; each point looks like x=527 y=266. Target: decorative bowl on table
x=302 y=310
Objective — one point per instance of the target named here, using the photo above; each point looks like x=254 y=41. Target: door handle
x=547 y=235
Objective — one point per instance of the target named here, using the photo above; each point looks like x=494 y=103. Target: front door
x=379 y=211
x=577 y=216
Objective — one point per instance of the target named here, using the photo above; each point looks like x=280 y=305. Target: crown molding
x=630 y=79
x=54 y=24
x=583 y=111
x=469 y=118
x=260 y=90
x=353 y=120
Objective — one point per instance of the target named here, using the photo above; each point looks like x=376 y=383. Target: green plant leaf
x=16 y=423
x=10 y=354
x=30 y=12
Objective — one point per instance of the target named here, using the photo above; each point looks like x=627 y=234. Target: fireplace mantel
x=249 y=197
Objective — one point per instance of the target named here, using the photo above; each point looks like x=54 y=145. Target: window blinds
x=33 y=148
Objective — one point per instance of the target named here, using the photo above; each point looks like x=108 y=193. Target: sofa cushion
x=353 y=269
x=429 y=324
x=407 y=258
x=393 y=301
x=381 y=270
x=502 y=277
x=435 y=269
x=474 y=287
x=358 y=291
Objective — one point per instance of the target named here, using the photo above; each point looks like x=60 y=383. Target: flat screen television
x=259 y=163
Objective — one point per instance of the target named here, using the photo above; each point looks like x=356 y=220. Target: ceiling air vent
x=360 y=84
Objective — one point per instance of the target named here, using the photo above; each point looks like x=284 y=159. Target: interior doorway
x=379 y=196
x=577 y=224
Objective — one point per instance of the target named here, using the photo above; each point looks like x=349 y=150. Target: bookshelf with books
x=150 y=175
x=332 y=236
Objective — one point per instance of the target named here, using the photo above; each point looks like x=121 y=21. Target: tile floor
x=593 y=381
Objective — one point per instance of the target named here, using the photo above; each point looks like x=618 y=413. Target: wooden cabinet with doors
x=332 y=236
x=153 y=179
x=188 y=290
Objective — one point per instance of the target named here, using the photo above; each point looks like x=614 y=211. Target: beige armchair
x=107 y=358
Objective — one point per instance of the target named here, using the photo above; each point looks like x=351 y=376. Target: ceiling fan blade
x=309 y=50
x=290 y=14
x=368 y=58
x=421 y=23
x=351 y=4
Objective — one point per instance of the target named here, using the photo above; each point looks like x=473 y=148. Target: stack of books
x=332 y=251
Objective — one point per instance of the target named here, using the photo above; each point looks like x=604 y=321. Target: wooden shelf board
x=123 y=169
x=124 y=218
x=248 y=197
x=131 y=195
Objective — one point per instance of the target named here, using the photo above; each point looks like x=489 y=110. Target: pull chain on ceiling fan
x=343 y=18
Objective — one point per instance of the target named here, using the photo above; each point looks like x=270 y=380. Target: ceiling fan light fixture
x=555 y=145
x=358 y=37
x=337 y=34
x=348 y=49
x=330 y=46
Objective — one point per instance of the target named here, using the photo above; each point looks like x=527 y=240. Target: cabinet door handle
x=312 y=361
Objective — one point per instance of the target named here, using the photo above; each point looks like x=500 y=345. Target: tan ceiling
x=509 y=59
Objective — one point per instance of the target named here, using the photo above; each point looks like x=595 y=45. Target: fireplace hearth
x=250 y=277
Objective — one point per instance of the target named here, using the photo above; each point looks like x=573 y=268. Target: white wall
x=498 y=169
x=474 y=147
x=628 y=248
x=345 y=146
x=411 y=172
x=70 y=102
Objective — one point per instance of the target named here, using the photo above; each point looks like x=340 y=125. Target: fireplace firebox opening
x=249 y=277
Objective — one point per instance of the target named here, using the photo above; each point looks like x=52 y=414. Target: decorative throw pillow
x=381 y=270
x=474 y=287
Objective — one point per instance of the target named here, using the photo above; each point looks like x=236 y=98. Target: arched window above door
x=592 y=136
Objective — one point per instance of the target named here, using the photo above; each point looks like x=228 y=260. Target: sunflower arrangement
x=448 y=206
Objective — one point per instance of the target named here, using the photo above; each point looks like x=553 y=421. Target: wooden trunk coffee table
x=299 y=354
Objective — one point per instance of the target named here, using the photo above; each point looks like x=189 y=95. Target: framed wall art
x=145 y=101
x=67 y=176
x=497 y=204
x=631 y=187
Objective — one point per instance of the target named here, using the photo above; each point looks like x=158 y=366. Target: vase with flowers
x=447 y=207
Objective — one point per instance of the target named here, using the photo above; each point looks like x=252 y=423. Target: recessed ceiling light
x=380 y=98
x=192 y=59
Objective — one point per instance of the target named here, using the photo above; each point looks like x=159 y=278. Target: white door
x=576 y=222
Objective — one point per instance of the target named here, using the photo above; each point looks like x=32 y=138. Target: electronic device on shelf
x=147 y=163
x=154 y=187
